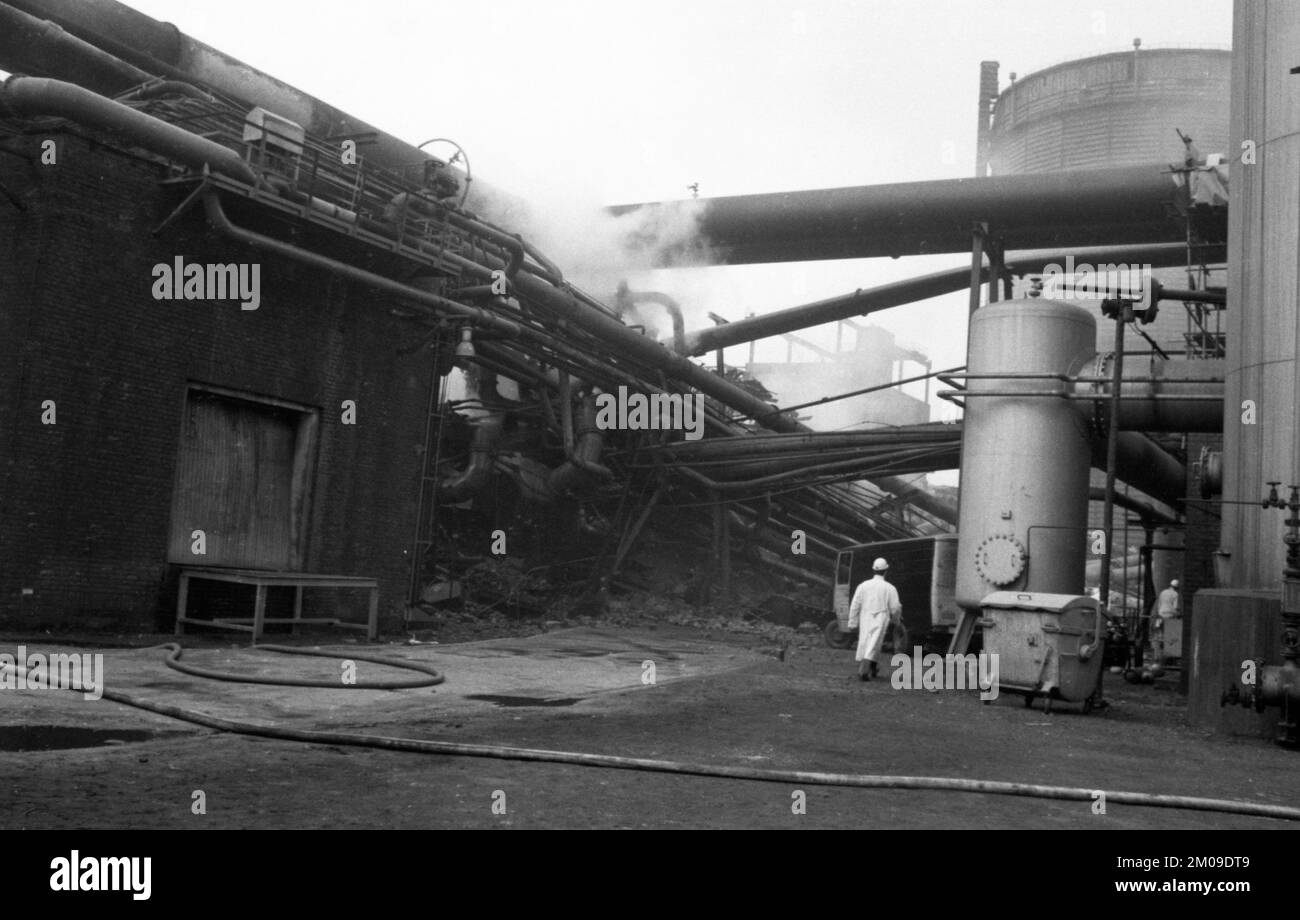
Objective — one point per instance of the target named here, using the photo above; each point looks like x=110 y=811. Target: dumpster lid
x=1037 y=600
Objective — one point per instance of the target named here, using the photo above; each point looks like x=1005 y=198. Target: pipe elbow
x=582 y=471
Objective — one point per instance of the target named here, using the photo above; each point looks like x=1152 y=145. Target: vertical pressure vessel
x=1025 y=459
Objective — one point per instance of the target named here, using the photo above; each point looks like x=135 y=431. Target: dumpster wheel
x=838 y=638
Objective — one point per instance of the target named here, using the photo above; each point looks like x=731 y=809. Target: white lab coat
x=874 y=605
x=1168 y=603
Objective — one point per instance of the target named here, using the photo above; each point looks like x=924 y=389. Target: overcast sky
x=633 y=100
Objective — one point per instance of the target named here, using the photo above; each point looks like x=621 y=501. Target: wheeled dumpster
x=1048 y=645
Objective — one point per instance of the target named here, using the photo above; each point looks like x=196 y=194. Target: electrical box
x=274 y=142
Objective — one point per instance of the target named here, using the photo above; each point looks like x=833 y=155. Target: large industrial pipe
x=922 y=287
x=1175 y=395
x=1112 y=206
x=161 y=48
x=1146 y=466
x=30 y=97
x=29 y=45
x=637 y=347
x=1145 y=510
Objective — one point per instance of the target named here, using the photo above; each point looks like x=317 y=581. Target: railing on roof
x=314 y=173
x=1076 y=59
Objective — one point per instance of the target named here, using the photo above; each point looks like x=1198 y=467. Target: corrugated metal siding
x=235 y=483
x=1092 y=113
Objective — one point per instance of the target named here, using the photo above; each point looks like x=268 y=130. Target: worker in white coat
x=875 y=605
x=1168 y=607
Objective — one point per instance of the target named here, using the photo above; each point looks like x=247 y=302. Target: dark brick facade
x=85 y=504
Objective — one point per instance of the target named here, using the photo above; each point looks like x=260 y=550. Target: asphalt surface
x=675 y=694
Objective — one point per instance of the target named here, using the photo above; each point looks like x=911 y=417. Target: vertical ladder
x=424 y=539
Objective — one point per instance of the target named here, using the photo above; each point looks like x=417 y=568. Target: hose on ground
x=611 y=761
x=430 y=679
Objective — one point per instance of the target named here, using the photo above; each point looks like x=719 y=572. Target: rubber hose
x=786 y=777
x=430 y=679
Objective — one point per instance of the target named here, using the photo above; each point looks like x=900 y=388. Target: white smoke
x=596 y=250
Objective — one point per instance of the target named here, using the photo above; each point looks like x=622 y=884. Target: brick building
x=171 y=416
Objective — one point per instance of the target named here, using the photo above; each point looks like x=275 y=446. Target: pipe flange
x=1000 y=559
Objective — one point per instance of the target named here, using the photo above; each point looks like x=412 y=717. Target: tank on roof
x=1112 y=110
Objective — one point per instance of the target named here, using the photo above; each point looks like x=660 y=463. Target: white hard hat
x=880 y=565
x=1174 y=583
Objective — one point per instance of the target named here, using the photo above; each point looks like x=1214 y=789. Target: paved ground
x=716 y=699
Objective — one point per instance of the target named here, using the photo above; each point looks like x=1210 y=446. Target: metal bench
x=267 y=579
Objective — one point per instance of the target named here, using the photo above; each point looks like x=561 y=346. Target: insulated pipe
x=1094 y=207
x=1143 y=509
x=897 y=293
x=30 y=45
x=1145 y=466
x=30 y=97
x=90 y=19
x=161 y=48
x=1151 y=396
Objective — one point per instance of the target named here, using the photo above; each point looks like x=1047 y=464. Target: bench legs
x=181 y=600
x=259 y=609
x=259 y=612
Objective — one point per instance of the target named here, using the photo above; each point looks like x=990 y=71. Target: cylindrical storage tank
x=1111 y=109
x=1261 y=434
x=1025 y=460
x=1118 y=109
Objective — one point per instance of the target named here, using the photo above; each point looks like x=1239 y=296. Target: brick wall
x=85 y=504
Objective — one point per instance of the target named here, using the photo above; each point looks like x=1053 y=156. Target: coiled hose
x=610 y=761
x=431 y=678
